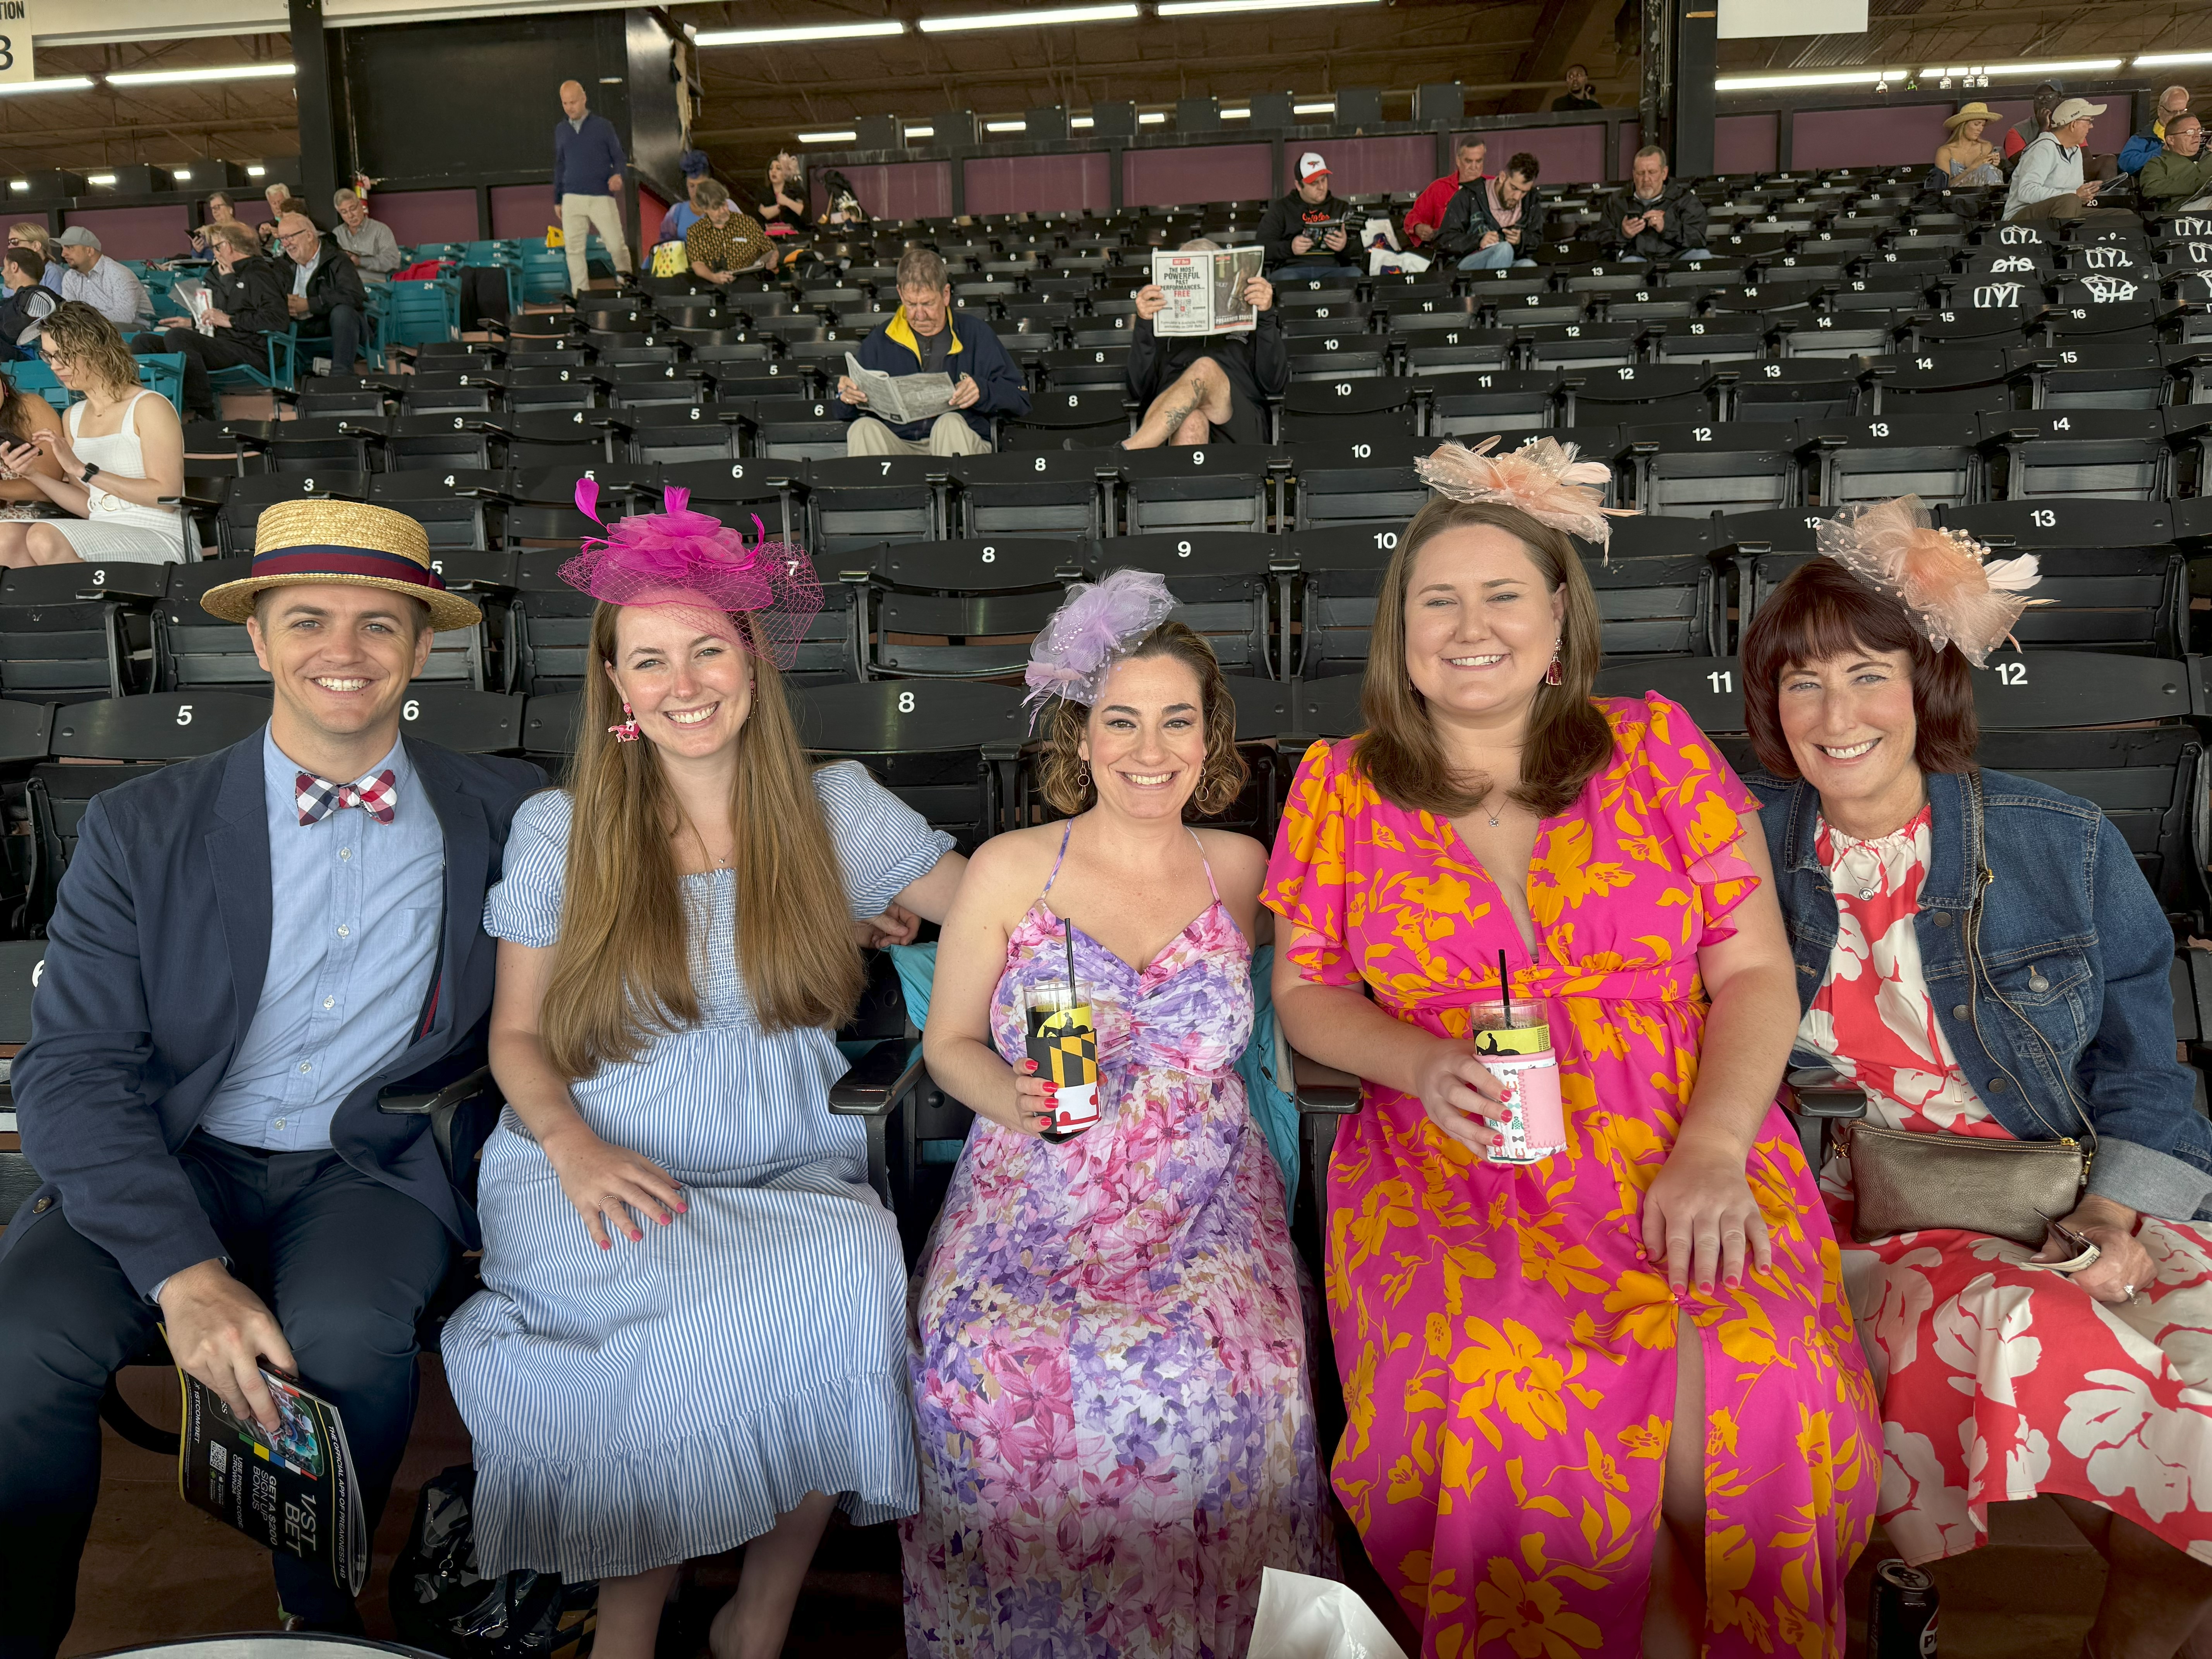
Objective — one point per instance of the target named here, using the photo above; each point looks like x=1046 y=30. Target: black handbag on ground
x=441 y=1604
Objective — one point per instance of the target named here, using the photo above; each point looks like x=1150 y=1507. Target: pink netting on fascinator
x=1940 y=576
x=1073 y=656
x=682 y=557
x=1542 y=478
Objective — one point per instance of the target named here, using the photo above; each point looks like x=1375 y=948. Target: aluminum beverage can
x=1064 y=1042
x=1533 y=1121
x=1901 y=1610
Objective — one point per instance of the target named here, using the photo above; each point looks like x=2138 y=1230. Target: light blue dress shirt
x=356 y=906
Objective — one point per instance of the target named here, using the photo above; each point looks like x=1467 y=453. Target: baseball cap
x=77 y=236
x=2072 y=110
x=1310 y=165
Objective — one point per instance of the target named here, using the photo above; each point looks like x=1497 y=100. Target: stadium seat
x=858 y=501
x=1713 y=467
x=949 y=615
x=1935 y=457
x=2116 y=454
x=1043 y=492
x=1355 y=481
x=1201 y=486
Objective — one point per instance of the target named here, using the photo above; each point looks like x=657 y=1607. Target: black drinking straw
x=1068 y=933
x=1505 y=988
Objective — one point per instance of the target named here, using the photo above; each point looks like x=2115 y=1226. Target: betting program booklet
x=197 y=302
x=296 y=1492
x=1205 y=290
x=901 y=397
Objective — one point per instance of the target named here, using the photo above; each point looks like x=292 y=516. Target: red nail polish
x=606 y=1243
x=1734 y=1284
x=1706 y=1287
x=683 y=1209
x=1641 y=1254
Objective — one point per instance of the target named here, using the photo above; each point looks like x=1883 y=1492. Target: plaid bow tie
x=318 y=797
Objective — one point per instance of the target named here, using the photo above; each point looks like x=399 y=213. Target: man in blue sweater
x=927 y=336
x=588 y=182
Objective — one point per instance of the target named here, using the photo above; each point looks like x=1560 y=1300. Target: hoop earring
x=1082 y=777
x=1554 y=675
x=626 y=731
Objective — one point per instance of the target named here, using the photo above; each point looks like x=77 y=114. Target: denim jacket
x=2072 y=938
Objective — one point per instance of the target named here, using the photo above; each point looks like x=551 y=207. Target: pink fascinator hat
x=681 y=557
x=1542 y=478
x=1099 y=621
x=1945 y=579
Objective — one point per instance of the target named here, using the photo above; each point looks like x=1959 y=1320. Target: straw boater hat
x=347 y=542
x=1976 y=112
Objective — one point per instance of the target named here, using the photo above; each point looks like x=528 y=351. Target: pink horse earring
x=626 y=731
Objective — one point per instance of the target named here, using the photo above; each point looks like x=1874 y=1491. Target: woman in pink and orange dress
x=2000 y=1379
x=1528 y=1352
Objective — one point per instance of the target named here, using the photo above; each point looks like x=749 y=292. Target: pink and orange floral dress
x=1998 y=1380
x=1508 y=1359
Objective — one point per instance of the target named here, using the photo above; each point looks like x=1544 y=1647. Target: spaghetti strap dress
x=1508 y=1354
x=112 y=528
x=1116 y=1428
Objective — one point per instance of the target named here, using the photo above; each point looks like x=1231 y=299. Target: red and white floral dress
x=1999 y=1381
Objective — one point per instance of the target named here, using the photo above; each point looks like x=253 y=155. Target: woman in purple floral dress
x=1117 y=1430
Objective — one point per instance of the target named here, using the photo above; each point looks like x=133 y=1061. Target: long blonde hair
x=622 y=969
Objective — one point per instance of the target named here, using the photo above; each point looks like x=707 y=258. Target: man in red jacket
x=1427 y=213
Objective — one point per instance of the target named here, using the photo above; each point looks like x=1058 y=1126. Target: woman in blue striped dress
x=691 y=1333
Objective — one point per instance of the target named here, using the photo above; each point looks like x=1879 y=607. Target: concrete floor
x=156 y=1570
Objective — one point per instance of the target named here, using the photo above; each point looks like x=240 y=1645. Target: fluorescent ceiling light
x=921 y=132
x=256 y=173
x=182 y=175
x=1858 y=78
x=1005 y=126
x=844 y=137
x=808 y=32
x=19 y=183
x=1229 y=7
x=2069 y=66
x=1078 y=120
x=1031 y=19
x=99 y=178
x=1237 y=115
x=70 y=83
x=2159 y=59
x=214 y=72
x=1329 y=108
x=1151 y=117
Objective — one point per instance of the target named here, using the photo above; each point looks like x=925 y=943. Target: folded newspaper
x=194 y=297
x=1205 y=290
x=901 y=397
x=294 y=1491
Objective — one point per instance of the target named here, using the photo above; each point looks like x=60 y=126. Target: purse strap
x=1978 y=974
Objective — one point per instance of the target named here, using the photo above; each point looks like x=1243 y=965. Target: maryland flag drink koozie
x=1064 y=1043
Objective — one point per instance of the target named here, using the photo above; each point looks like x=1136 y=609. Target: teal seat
x=280 y=374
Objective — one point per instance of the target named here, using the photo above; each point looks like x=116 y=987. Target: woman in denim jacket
x=2002 y=1379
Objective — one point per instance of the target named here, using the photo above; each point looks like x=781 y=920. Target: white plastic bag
x=1304 y=1618
x=1382 y=262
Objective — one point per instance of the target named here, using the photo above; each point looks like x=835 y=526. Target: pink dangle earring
x=1554 y=675
x=626 y=731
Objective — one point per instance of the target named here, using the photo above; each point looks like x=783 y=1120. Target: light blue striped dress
x=668 y=1399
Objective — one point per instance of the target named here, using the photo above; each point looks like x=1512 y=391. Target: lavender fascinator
x=1542 y=478
x=1078 y=648
x=1945 y=579
x=681 y=557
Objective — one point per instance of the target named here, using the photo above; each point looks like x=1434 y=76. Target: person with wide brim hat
x=349 y=542
x=1969 y=161
x=1976 y=111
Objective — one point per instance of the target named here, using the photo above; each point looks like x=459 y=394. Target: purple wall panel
x=137 y=233
x=428 y=216
x=1399 y=166
x=1203 y=173
x=1026 y=183
x=520 y=210
x=1632 y=140
x=1745 y=144
x=897 y=189
x=1881 y=135
x=1567 y=155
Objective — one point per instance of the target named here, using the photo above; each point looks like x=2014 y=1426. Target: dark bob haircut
x=1820 y=611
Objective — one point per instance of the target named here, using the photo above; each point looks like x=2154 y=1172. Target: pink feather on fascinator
x=1079 y=645
x=1542 y=478
x=681 y=557
x=1944 y=579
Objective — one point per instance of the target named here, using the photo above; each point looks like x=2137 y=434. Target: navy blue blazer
x=155 y=961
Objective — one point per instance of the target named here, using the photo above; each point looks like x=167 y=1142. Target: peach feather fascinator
x=1542 y=478
x=1955 y=594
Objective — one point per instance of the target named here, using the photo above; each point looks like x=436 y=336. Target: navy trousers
x=346 y=1263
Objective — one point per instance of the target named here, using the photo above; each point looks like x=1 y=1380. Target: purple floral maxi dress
x=1115 y=1425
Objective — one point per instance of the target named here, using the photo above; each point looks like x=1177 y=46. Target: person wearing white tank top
x=121 y=450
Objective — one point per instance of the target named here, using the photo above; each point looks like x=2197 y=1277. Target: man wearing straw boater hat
x=246 y=951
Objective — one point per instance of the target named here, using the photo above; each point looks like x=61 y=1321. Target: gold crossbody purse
x=1904 y=1181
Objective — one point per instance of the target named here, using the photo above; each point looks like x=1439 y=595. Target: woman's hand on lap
x=604 y=1182
x=1700 y=1220
x=2122 y=1268
x=1458 y=1093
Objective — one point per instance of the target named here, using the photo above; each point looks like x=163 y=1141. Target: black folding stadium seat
x=1355 y=481
x=328 y=396
x=541 y=501
x=1474 y=406
x=1338 y=356
x=1454 y=351
x=651 y=386
x=441 y=443
x=1658 y=607
x=2116 y=454
x=688 y=432
x=346 y=443
x=946 y=748
x=536 y=439
x=1772 y=393
x=947 y=614
x=1645 y=393
x=1227 y=586
x=738 y=491
x=1202 y=487
x=1332 y=407
x=2099 y=374
x=1534 y=308
x=1045 y=493
x=1995 y=326
x=1952 y=379
x=857 y=501
x=565 y=387
x=1330 y=590
x=1701 y=339
x=2097 y=308
x=2113 y=577
x=449 y=391
x=455 y=508
x=1693 y=471
x=1578 y=345
x=1832 y=334
x=247 y=499
x=1936 y=457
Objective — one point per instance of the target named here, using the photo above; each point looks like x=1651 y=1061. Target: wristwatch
x=91 y=471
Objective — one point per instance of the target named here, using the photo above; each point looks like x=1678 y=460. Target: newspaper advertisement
x=294 y=1490
x=1205 y=290
x=901 y=397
